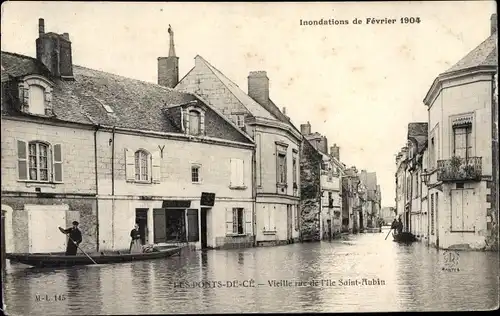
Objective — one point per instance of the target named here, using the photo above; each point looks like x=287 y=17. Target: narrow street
x=397 y=278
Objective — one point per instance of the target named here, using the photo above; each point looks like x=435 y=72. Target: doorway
x=141 y=218
x=289 y=216
x=361 y=222
x=203 y=227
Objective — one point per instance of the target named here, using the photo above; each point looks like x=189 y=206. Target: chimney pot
x=493 y=23
x=41 y=27
x=66 y=36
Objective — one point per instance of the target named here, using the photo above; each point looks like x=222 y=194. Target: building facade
x=276 y=164
x=461 y=137
x=109 y=152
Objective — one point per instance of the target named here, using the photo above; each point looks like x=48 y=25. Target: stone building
x=388 y=214
x=354 y=219
x=373 y=198
x=109 y=151
x=462 y=141
x=277 y=161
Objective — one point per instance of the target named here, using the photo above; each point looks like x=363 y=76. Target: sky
x=358 y=84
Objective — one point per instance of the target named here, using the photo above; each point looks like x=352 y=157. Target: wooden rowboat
x=404 y=237
x=42 y=260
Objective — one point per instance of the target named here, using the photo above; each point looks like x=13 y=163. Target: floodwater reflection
x=402 y=278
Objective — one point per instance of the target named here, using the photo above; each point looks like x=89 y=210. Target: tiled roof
x=485 y=54
x=133 y=103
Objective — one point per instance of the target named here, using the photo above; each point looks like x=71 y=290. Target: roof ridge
x=129 y=78
x=19 y=55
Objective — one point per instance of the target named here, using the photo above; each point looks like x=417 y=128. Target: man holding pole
x=75 y=238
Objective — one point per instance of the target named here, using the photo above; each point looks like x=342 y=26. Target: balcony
x=459 y=169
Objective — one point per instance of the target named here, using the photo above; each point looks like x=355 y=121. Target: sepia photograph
x=249 y=157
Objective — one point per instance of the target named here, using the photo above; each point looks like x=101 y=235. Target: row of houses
x=194 y=160
x=447 y=174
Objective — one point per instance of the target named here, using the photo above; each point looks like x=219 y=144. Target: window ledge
x=238 y=187
x=199 y=182
x=236 y=235
x=140 y=182
x=33 y=183
x=282 y=185
x=269 y=232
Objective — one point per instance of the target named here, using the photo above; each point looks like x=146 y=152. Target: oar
x=78 y=246
x=388 y=234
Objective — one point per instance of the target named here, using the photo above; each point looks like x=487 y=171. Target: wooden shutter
x=229 y=220
x=193 y=231
x=241 y=172
x=156 y=167
x=469 y=212
x=159 y=226
x=57 y=163
x=22 y=160
x=234 y=173
x=129 y=165
x=456 y=210
x=248 y=221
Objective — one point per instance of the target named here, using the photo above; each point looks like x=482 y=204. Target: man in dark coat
x=75 y=238
x=400 y=225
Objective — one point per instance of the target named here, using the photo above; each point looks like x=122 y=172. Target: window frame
x=51 y=161
x=237 y=211
x=48 y=158
x=196 y=167
x=190 y=116
x=468 y=140
x=24 y=93
x=148 y=158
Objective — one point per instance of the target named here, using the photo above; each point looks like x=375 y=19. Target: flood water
x=401 y=277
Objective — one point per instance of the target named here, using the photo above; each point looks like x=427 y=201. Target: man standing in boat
x=400 y=225
x=75 y=238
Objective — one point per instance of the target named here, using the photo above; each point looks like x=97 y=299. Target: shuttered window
x=39 y=161
x=237 y=173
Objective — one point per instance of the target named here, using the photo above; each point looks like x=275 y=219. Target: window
x=141 y=165
x=294 y=166
x=408 y=187
x=36 y=99
x=237 y=173
x=432 y=214
x=194 y=122
x=240 y=120
x=281 y=168
x=39 y=161
x=195 y=174
x=238 y=221
x=462 y=141
x=330 y=200
x=432 y=154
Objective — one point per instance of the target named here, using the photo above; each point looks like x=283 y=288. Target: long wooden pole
x=388 y=234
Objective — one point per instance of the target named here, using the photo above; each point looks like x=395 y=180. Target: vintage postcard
x=195 y=158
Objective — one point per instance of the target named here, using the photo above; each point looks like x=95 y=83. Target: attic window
x=195 y=121
x=35 y=95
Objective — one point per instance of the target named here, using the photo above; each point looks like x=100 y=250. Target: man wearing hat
x=75 y=238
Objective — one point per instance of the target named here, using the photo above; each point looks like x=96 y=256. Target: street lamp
x=425 y=177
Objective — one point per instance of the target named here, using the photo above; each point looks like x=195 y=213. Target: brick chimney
x=168 y=67
x=493 y=23
x=258 y=87
x=54 y=51
x=305 y=129
x=335 y=152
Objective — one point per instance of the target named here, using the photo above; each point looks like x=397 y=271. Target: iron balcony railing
x=459 y=169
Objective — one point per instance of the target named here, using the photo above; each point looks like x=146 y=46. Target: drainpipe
x=320 y=200
x=113 y=187
x=96 y=186
x=254 y=196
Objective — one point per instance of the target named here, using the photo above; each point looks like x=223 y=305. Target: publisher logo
x=451 y=259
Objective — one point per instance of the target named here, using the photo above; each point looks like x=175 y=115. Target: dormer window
x=194 y=120
x=36 y=99
x=35 y=94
